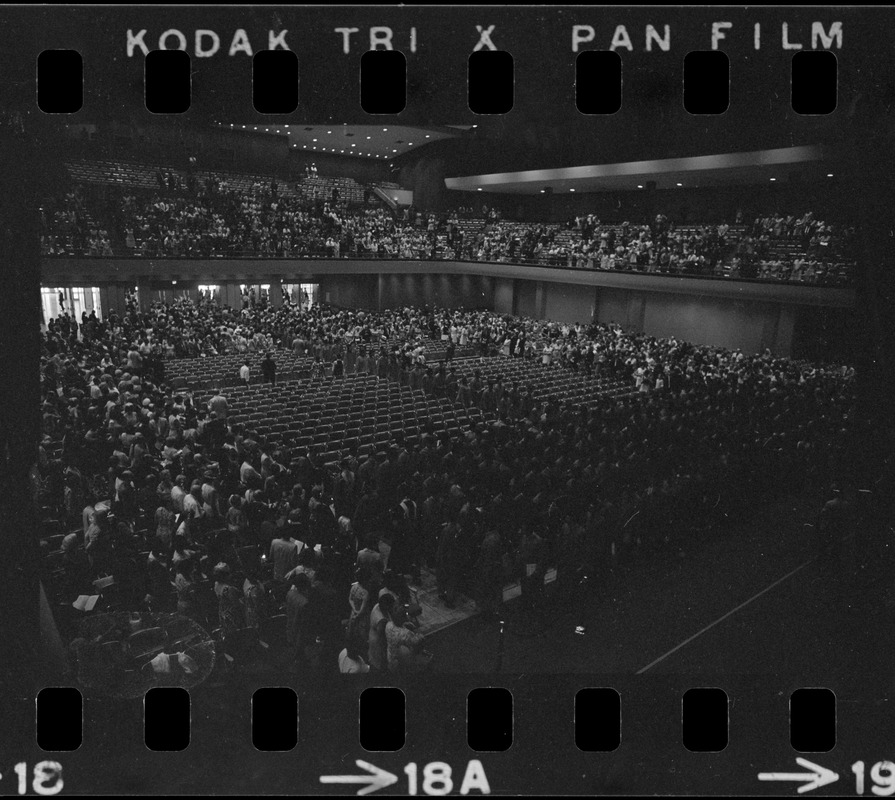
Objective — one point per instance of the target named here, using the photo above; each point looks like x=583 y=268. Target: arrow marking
x=377 y=779
x=819 y=776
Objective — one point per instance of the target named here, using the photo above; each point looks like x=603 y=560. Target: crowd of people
x=68 y=229
x=708 y=251
x=191 y=218
x=192 y=512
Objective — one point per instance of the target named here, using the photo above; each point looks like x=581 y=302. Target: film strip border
x=424 y=64
x=436 y=736
x=490 y=81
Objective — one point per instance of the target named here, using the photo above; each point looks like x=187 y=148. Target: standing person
x=185 y=586
x=245 y=373
x=283 y=554
x=269 y=369
x=489 y=572
x=230 y=611
x=530 y=563
x=338 y=366
x=98 y=543
x=296 y=617
x=404 y=644
x=448 y=563
x=360 y=599
x=253 y=597
x=376 y=644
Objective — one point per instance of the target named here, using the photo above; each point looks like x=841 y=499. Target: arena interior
x=338 y=398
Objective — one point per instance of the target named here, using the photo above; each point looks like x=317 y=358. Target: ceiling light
x=329 y=131
x=829 y=174
x=353 y=144
x=475 y=126
x=256 y=127
x=304 y=147
x=243 y=127
x=313 y=140
x=680 y=184
x=385 y=130
x=773 y=179
x=427 y=135
x=639 y=185
x=479 y=189
x=394 y=151
x=571 y=190
x=542 y=191
x=369 y=137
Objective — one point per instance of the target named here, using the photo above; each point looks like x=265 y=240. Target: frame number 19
x=882 y=773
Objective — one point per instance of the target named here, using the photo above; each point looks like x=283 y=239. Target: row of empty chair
x=548 y=381
x=333 y=416
x=211 y=371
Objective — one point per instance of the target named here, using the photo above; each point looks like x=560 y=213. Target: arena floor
x=754 y=602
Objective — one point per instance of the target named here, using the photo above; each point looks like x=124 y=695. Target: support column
x=276 y=293
x=540 y=300
x=112 y=298
x=144 y=294
x=230 y=295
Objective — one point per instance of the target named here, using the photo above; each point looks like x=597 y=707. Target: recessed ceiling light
x=410 y=144
x=304 y=147
x=313 y=140
x=353 y=144
x=341 y=151
x=369 y=137
x=639 y=185
x=329 y=131
x=385 y=130
x=571 y=190
x=475 y=126
x=542 y=191
x=479 y=189
x=829 y=174
x=394 y=151
x=680 y=184
x=256 y=127
x=773 y=179
x=243 y=127
x=427 y=135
